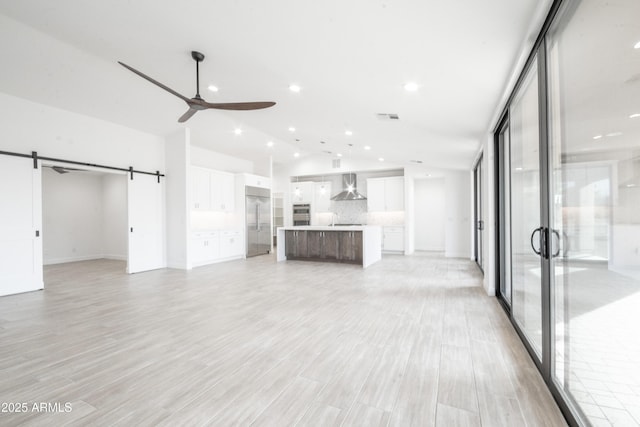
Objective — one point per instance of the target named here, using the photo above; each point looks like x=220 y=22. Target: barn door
x=20 y=226
x=146 y=245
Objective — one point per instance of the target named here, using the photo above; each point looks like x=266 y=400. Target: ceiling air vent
x=387 y=116
x=335 y=163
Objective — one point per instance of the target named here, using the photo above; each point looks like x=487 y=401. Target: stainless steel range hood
x=349 y=189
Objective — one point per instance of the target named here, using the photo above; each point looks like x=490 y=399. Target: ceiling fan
x=197 y=103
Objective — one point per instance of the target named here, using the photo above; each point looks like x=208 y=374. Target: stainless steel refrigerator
x=258 y=208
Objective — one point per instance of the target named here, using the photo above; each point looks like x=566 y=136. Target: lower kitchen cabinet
x=205 y=247
x=323 y=244
x=351 y=247
x=337 y=246
x=296 y=244
x=393 y=239
x=208 y=247
x=231 y=244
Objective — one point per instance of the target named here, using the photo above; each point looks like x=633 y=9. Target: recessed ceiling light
x=237 y=131
x=294 y=88
x=519 y=168
x=597 y=137
x=416 y=161
x=366 y=147
x=270 y=144
x=613 y=134
x=381 y=159
x=212 y=88
x=348 y=132
x=634 y=116
x=292 y=129
x=339 y=154
x=296 y=154
x=637 y=46
x=631 y=185
x=411 y=87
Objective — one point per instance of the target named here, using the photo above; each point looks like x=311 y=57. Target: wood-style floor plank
x=410 y=341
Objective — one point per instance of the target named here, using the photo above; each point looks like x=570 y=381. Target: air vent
x=335 y=163
x=387 y=116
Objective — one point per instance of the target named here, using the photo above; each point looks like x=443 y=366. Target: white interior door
x=146 y=243
x=20 y=226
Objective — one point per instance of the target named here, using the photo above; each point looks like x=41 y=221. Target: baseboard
x=116 y=257
x=430 y=249
x=85 y=258
x=72 y=259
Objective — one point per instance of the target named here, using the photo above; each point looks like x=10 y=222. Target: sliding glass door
x=525 y=231
x=568 y=172
x=479 y=221
x=594 y=107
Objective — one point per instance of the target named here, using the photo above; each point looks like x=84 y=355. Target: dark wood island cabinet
x=330 y=244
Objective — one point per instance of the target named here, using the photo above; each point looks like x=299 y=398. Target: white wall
x=221 y=162
x=71 y=216
x=27 y=126
x=115 y=238
x=178 y=155
x=430 y=214
x=458 y=208
x=84 y=216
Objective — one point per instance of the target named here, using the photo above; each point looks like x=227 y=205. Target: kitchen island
x=352 y=244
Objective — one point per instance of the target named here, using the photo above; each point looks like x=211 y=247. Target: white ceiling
x=351 y=59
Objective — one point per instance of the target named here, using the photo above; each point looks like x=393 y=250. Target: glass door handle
x=559 y=239
x=539 y=229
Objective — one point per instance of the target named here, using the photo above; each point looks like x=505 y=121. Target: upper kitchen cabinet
x=222 y=196
x=212 y=190
x=201 y=189
x=302 y=192
x=385 y=194
x=322 y=197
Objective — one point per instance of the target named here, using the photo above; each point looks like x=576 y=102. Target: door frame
x=545 y=365
x=478 y=198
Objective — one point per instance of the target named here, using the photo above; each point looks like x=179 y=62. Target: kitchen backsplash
x=355 y=212
x=350 y=211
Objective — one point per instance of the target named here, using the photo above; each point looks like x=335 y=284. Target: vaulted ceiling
x=351 y=60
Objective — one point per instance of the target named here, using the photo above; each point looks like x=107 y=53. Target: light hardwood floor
x=410 y=341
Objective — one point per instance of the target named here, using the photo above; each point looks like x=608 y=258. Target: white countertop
x=331 y=227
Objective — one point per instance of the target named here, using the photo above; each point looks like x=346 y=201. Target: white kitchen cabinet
x=322 y=197
x=231 y=244
x=222 y=191
x=205 y=247
x=393 y=239
x=201 y=189
x=212 y=190
x=375 y=195
x=302 y=192
x=385 y=194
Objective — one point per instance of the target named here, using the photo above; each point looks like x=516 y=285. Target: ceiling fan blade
x=239 y=105
x=155 y=82
x=186 y=116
